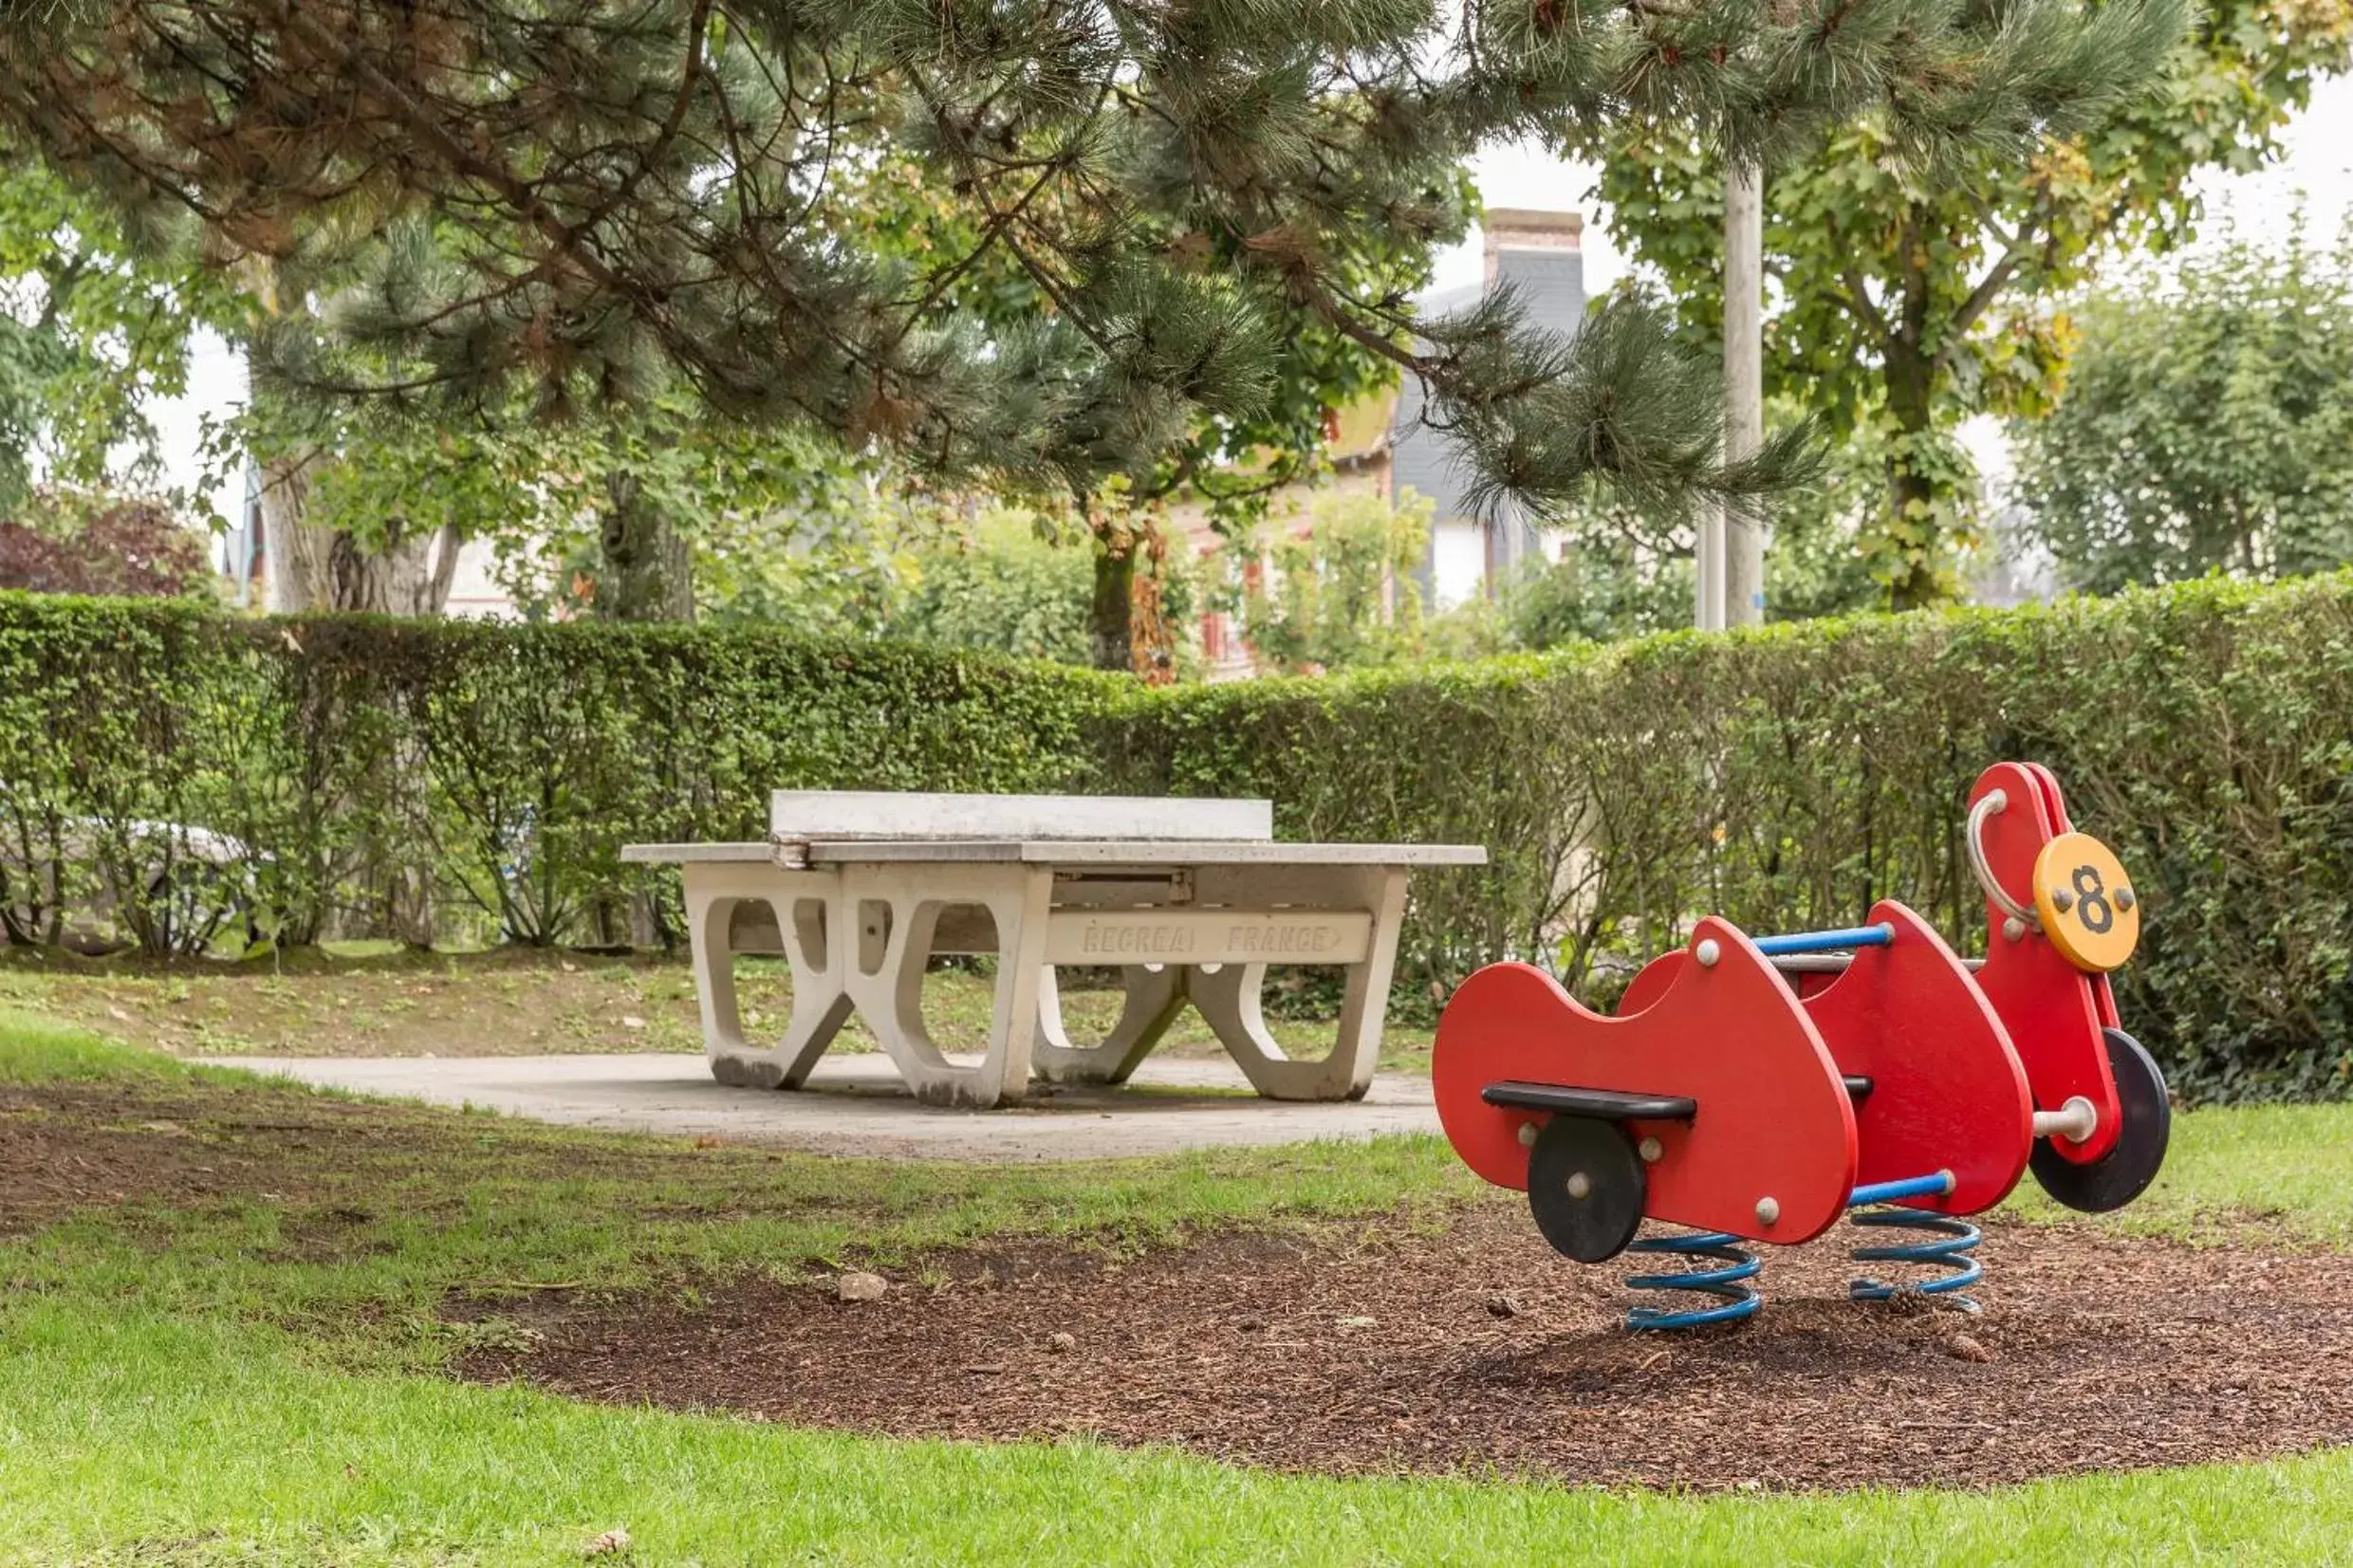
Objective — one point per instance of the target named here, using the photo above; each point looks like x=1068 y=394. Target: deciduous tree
x=90 y=333
x=1907 y=294
x=2207 y=424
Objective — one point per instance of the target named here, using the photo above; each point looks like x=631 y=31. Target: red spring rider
x=1756 y=1089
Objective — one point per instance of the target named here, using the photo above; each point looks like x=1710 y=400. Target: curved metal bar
x=1838 y=963
x=1911 y=1186
x=1994 y=801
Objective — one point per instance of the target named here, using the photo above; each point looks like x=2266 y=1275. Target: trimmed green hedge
x=377 y=770
x=388 y=777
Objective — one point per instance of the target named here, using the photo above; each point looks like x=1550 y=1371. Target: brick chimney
x=1510 y=228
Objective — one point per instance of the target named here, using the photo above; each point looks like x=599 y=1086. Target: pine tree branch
x=690 y=77
x=1055 y=290
x=519 y=194
x=1001 y=220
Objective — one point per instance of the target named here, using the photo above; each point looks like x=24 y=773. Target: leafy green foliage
x=904 y=566
x=1602 y=589
x=1908 y=295
x=1144 y=233
x=1014 y=581
x=2207 y=426
x=1016 y=584
x=1338 y=592
x=1626 y=571
x=90 y=331
x=1786 y=777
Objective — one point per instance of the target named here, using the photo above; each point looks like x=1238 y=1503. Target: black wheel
x=1585 y=1186
x=2126 y=1170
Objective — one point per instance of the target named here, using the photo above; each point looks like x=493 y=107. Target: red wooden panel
x=2052 y=1009
x=1948 y=1093
x=1774 y=1119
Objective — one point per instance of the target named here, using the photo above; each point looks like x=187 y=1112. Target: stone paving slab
x=855 y=1105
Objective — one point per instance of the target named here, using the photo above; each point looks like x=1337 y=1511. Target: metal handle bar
x=1994 y=801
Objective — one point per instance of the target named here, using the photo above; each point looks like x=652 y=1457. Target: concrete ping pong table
x=1190 y=899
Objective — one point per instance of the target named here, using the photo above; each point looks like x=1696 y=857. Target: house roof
x=1535 y=252
x=1549 y=280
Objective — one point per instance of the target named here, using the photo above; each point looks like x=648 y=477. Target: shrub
x=1788 y=777
x=73 y=541
x=399 y=777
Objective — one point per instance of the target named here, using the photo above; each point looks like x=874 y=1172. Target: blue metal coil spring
x=1948 y=1245
x=1728 y=1284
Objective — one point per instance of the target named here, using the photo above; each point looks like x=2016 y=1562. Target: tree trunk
x=649 y=572
x=1151 y=640
x=1915 y=518
x=293 y=555
x=313 y=568
x=1109 y=635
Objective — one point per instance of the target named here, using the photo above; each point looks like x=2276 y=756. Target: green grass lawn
x=140 y=1439
x=237 y=1361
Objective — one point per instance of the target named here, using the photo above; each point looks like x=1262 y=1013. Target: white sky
x=2316 y=169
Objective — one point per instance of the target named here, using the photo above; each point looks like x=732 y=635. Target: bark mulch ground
x=1477 y=1349
x=67 y=1148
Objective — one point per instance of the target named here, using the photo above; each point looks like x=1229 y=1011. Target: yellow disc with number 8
x=2090 y=909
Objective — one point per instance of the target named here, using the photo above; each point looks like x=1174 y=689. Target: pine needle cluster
x=1122 y=211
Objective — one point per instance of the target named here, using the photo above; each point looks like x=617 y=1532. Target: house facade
x=1537 y=255
x=1381 y=444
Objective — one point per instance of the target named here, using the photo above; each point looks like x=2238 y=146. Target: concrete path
x=854 y=1105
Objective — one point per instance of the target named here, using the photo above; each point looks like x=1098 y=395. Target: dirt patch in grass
x=328 y=1164
x=1475 y=1347
x=69 y=1148
x=54 y=1161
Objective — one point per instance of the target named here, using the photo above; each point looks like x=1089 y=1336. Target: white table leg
x=819 y=1004
x=1154 y=997
x=1021 y=979
x=1230 y=999
x=887 y=984
x=1364 y=1004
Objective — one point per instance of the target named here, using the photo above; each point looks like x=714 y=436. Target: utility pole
x=1708 y=555
x=1741 y=541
